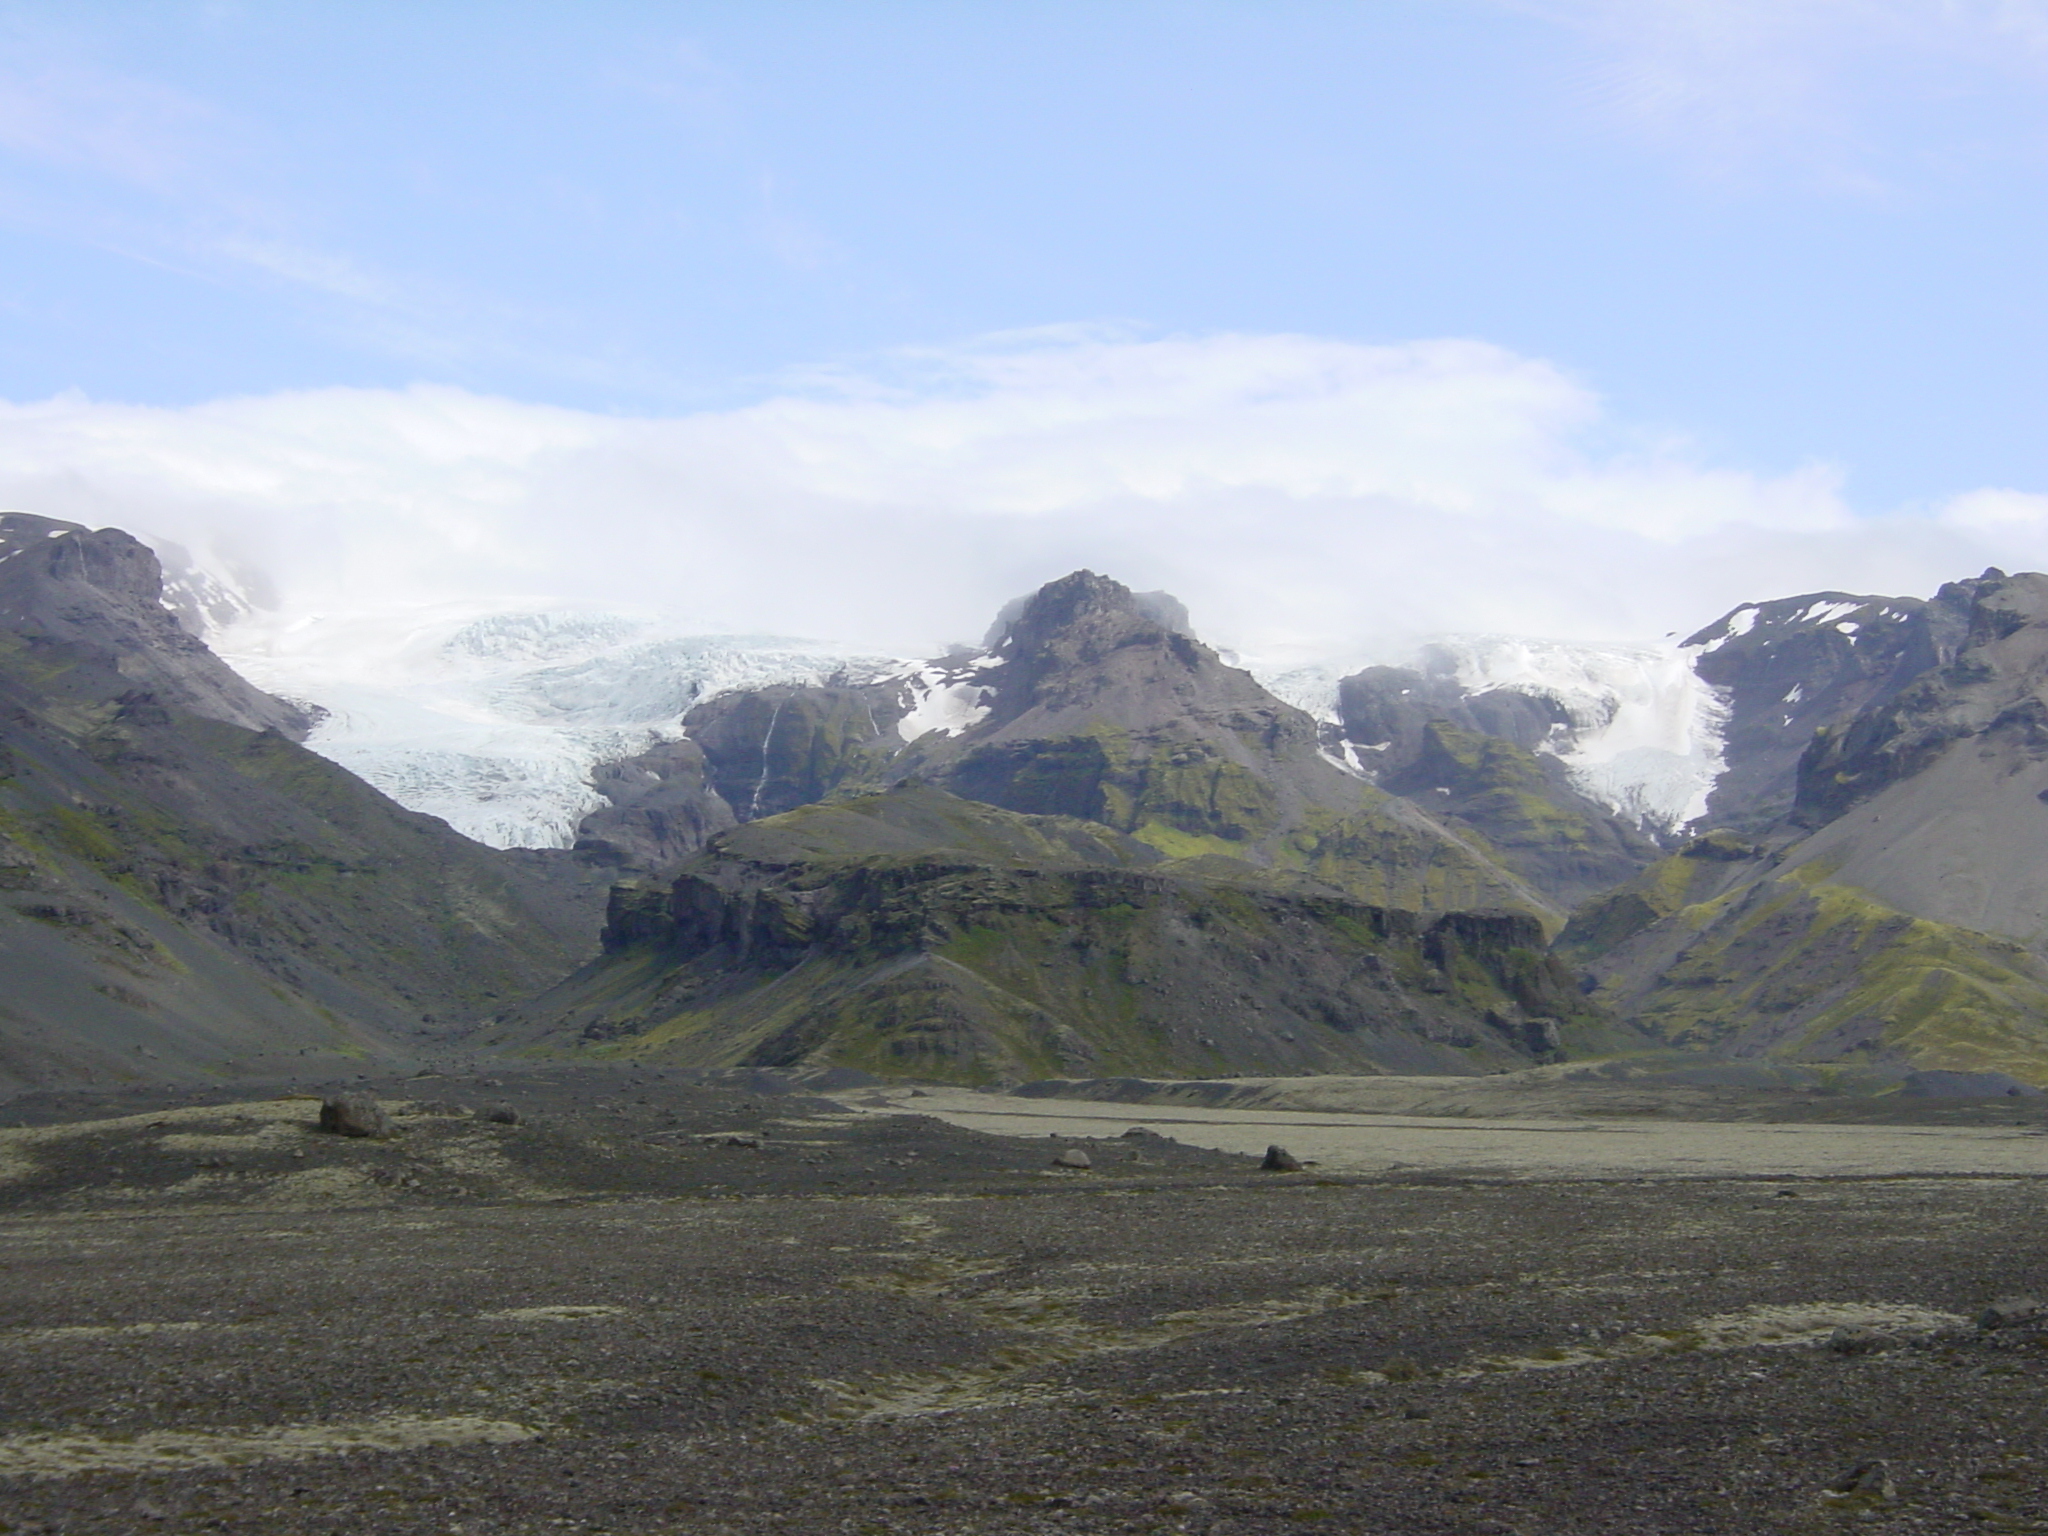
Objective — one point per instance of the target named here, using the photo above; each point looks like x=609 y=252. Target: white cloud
x=1998 y=512
x=1297 y=492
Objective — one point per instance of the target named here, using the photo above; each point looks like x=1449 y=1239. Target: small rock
x=502 y=1114
x=1280 y=1160
x=2009 y=1311
x=354 y=1114
x=1870 y=1481
x=1139 y=1133
x=1858 y=1341
x=741 y=1139
x=1073 y=1157
x=1788 y=1194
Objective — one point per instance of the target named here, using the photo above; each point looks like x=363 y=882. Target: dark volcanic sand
x=889 y=1325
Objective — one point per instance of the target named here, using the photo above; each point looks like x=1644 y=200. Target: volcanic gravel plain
x=604 y=1300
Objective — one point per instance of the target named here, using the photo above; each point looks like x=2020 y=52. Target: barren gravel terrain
x=646 y=1304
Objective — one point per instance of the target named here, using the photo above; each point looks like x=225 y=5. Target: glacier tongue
x=1645 y=734
x=494 y=720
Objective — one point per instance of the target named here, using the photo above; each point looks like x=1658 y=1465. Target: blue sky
x=1792 y=248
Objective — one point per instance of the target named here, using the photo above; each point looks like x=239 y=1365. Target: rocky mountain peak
x=1089 y=643
x=1797 y=665
x=101 y=590
x=1992 y=680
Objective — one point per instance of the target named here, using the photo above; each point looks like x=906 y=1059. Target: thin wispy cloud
x=128 y=130
x=1819 y=88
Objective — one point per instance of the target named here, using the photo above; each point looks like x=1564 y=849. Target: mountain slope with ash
x=1910 y=923
x=917 y=933
x=186 y=891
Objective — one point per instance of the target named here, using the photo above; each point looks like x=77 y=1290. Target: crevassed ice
x=493 y=721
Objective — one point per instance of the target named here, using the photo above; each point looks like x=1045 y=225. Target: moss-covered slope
x=1726 y=948
x=917 y=933
x=1524 y=807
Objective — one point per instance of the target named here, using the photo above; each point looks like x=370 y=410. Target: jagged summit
x=1162 y=607
x=1795 y=665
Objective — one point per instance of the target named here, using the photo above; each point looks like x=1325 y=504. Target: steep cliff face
x=916 y=933
x=184 y=895
x=663 y=810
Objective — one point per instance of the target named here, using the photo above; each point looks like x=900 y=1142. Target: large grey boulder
x=355 y=1114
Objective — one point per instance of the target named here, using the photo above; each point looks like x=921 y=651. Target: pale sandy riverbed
x=1532 y=1148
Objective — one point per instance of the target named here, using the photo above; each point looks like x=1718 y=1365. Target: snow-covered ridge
x=493 y=721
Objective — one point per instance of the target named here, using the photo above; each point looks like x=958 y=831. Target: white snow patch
x=946 y=701
x=1823 y=613
x=1346 y=759
x=1739 y=623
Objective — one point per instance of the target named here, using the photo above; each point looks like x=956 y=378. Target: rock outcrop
x=916 y=933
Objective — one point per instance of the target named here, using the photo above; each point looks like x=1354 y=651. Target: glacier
x=1645 y=733
x=493 y=716
x=494 y=720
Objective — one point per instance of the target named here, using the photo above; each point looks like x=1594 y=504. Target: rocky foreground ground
x=638 y=1304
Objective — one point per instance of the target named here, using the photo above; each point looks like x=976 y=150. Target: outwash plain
x=635 y=1300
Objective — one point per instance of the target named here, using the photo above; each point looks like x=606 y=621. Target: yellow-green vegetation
x=1806 y=968
x=1377 y=854
x=918 y=934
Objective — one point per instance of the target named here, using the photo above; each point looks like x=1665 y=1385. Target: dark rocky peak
x=1089 y=646
x=100 y=591
x=1796 y=665
x=37 y=553
x=1991 y=679
x=1163 y=608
